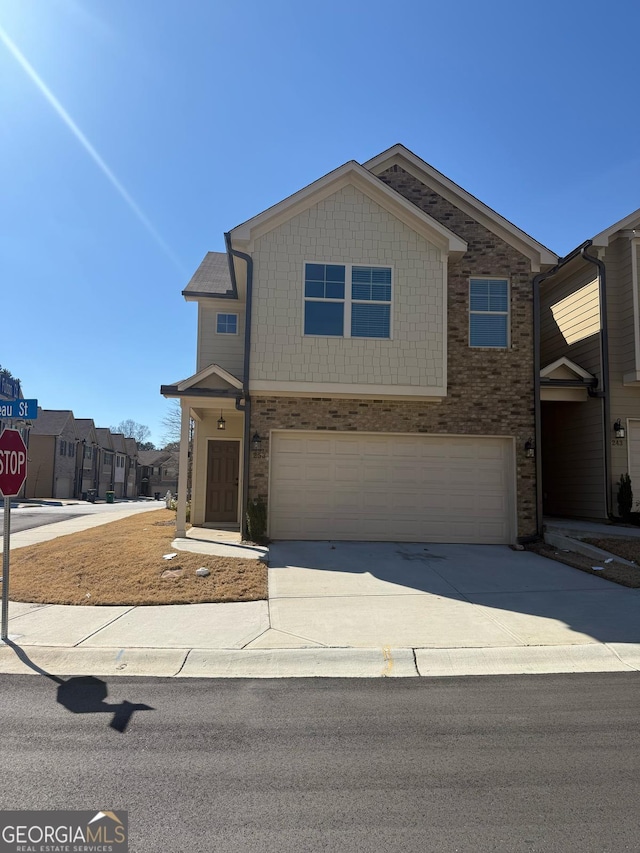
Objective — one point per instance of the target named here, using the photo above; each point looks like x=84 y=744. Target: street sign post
x=13 y=473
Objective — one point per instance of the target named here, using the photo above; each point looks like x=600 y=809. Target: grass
x=616 y=572
x=122 y=562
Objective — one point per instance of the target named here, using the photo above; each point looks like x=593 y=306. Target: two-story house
x=590 y=373
x=366 y=364
x=52 y=469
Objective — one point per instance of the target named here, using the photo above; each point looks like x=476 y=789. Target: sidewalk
x=344 y=609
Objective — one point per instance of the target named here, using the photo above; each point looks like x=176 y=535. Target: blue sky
x=147 y=128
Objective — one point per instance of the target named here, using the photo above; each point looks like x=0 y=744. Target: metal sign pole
x=5 y=569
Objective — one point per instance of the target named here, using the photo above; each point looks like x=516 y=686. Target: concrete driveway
x=402 y=595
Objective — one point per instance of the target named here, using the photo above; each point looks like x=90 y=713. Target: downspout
x=604 y=392
x=231 y=252
x=537 y=281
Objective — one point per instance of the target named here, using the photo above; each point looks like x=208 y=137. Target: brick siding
x=490 y=392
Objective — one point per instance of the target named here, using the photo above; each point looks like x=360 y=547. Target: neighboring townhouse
x=365 y=364
x=131 y=469
x=87 y=456
x=52 y=470
x=590 y=374
x=119 y=464
x=106 y=461
x=157 y=472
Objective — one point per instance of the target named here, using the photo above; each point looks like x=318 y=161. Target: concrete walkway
x=347 y=609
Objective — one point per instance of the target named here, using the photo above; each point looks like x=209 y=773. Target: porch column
x=183 y=472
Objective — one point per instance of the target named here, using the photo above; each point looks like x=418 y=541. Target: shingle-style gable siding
x=347 y=227
x=489 y=392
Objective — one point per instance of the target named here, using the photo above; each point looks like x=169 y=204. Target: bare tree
x=172 y=423
x=132 y=429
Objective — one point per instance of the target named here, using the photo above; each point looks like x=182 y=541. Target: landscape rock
x=202 y=572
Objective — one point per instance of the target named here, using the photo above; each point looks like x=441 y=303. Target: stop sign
x=13 y=463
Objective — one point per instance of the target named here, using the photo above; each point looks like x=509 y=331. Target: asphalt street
x=30 y=517
x=519 y=763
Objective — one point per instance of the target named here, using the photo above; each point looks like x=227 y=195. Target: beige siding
x=572 y=445
x=40 y=457
x=625 y=400
x=575 y=309
x=213 y=348
x=206 y=430
x=348 y=227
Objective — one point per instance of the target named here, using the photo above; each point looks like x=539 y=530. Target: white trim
x=350 y=174
x=205 y=373
x=227 y=314
x=580 y=372
x=634 y=243
x=492 y=313
x=510 y=233
x=445 y=316
x=339 y=389
x=603 y=238
x=238 y=520
x=348 y=299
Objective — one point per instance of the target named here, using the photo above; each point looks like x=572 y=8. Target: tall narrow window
x=489 y=312
x=370 y=302
x=324 y=299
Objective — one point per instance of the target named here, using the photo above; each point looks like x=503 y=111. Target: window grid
x=489 y=313
x=227 y=324
x=357 y=299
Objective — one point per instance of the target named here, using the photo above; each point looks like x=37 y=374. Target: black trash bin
x=91 y=495
x=156 y=495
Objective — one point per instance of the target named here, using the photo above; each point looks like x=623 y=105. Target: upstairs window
x=489 y=312
x=227 y=324
x=345 y=300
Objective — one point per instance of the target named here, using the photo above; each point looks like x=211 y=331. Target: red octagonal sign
x=13 y=463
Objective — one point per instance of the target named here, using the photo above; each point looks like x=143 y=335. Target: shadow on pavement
x=511 y=585
x=85 y=694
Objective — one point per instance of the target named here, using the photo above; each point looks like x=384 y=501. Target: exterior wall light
x=529 y=448
x=619 y=429
x=256 y=442
x=222 y=424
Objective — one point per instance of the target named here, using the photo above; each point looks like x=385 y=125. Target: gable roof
x=51 y=421
x=602 y=239
x=132 y=446
x=103 y=435
x=350 y=174
x=211 y=370
x=117 y=439
x=565 y=369
x=212 y=278
x=435 y=180
x=84 y=427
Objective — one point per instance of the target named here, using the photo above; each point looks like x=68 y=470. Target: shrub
x=625 y=497
x=257 y=520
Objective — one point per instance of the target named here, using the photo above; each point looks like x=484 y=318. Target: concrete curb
x=319 y=663
x=566 y=543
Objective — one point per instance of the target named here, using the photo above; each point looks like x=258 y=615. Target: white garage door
x=390 y=487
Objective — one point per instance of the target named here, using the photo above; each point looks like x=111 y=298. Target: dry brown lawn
x=122 y=562
x=615 y=572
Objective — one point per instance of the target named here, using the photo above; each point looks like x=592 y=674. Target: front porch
x=212 y=453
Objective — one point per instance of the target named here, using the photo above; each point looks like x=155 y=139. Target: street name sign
x=24 y=410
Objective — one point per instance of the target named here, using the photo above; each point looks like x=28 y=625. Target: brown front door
x=223 y=467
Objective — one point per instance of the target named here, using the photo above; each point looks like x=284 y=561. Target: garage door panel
x=390 y=487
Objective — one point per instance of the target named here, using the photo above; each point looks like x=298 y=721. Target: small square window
x=227 y=324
